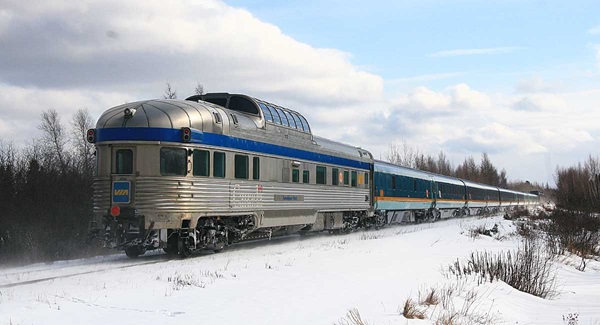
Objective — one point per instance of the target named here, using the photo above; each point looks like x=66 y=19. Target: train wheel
x=183 y=247
x=134 y=251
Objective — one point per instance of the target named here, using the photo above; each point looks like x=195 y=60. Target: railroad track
x=37 y=276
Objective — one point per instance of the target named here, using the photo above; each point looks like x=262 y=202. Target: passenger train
x=219 y=168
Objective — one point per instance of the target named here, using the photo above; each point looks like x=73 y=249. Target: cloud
x=464 y=96
x=594 y=30
x=483 y=51
x=22 y=107
x=128 y=46
x=537 y=84
x=547 y=102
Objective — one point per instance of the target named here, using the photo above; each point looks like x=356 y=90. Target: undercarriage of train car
x=127 y=231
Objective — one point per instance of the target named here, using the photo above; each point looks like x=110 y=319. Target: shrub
x=411 y=310
x=352 y=318
x=529 y=269
x=574 y=232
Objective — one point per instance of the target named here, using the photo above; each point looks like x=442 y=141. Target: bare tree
x=170 y=92
x=402 y=154
x=54 y=136
x=84 y=151
x=489 y=173
x=444 y=165
x=199 y=90
x=468 y=170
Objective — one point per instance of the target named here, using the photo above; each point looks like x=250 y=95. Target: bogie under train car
x=215 y=169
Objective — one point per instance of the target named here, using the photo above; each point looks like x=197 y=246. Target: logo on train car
x=120 y=192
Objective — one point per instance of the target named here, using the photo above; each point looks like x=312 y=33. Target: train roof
x=479 y=185
x=447 y=179
x=160 y=113
x=382 y=166
x=270 y=112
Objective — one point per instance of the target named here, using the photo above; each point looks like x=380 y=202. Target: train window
x=124 y=162
x=393 y=182
x=295 y=175
x=219 y=164
x=266 y=112
x=290 y=119
x=276 y=117
x=298 y=122
x=304 y=123
x=255 y=168
x=366 y=178
x=321 y=175
x=242 y=104
x=284 y=119
x=173 y=161
x=217 y=101
x=305 y=177
x=415 y=184
x=201 y=162
x=335 y=176
x=346 y=177
x=354 y=179
x=241 y=166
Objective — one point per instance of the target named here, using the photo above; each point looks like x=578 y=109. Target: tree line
x=46 y=191
x=485 y=172
x=578 y=187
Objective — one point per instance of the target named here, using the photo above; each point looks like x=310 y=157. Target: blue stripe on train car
x=219 y=140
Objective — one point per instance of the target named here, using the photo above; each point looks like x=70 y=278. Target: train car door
x=123 y=173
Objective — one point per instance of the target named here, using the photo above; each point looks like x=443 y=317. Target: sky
x=519 y=80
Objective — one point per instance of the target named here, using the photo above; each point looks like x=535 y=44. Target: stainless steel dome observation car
x=201 y=173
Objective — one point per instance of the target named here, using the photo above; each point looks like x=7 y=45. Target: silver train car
x=202 y=173
x=216 y=169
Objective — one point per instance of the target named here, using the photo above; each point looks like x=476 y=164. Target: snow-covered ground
x=296 y=280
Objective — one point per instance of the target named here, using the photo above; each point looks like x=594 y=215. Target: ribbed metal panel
x=101 y=198
x=162 y=194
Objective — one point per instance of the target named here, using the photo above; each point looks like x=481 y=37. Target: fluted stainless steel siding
x=101 y=198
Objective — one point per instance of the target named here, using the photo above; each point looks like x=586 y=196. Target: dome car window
x=266 y=112
x=217 y=101
x=242 y=104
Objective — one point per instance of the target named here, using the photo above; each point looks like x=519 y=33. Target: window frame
x=256 y=168
x=195 y=162
x=118 y=170
x=306 y=177
x=163 y=172
x=244 y=163
x=335 y=174
x=215 y=166
x=321 y=175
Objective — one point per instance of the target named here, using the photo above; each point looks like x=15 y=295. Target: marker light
x=91 y=135
x=115 y=211
x=186 y=134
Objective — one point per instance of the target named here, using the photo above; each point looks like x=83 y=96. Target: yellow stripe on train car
x=121 y=192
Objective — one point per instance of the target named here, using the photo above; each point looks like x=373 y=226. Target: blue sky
x=406 y=39
x=519 y=80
